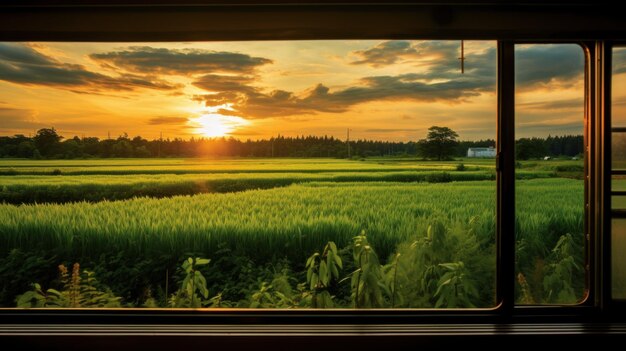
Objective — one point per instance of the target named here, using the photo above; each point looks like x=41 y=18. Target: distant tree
x=527 y=148
x=142 y=151
x=47 y=141
x=25 y=149
x=71 y=148
x=122 y=148
x=440 y=143
x=91 y=146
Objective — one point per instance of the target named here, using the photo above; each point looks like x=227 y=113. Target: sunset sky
x=384 y=90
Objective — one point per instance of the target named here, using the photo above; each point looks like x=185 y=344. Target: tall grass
x=289 y=221
x=545 y=211
x=62 y=189
x=38 y=189
x=292 y=222
x=208 y=166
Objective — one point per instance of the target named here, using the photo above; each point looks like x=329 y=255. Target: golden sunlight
x=213 y=125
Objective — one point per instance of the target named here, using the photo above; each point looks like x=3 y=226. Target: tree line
x=48 y=144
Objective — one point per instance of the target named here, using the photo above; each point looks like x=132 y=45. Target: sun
x=213 y=125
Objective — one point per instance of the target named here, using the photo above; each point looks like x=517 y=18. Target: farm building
x=481 y=152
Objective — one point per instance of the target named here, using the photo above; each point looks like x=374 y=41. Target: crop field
x=96 y=180
x=133 y=222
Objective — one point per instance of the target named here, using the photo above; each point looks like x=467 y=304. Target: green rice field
x=133 y=221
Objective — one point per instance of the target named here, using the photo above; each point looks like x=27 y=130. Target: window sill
x=300 y=336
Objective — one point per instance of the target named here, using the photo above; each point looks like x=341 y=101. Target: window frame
x=590 y=118
x=56 y=21
x=610 y=305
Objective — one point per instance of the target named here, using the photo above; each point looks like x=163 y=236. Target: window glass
x=549 y=151
x=618 y=241
x=618 y=178
x=274 y=174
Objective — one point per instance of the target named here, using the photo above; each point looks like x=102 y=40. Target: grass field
x=28 y=181
x=277 y=165
x=271 y=211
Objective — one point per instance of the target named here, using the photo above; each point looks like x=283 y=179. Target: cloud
x=253 y=102
x=554 y=66
x=148 y=60
x=554 y=104
x=22 y=64
x=438 y=57
x=545 y=122
x=619 y=60
x=549 y=128
x=618 y=101
x=385 y=53
x=221 y=83
x=390 y=130
x=167 y=120
x=17 y=118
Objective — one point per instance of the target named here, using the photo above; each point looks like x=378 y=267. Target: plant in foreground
x=367 y=280
x=321 y=271
x=79 y=291
x=193 y=284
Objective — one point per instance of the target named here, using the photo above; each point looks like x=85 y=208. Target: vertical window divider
x=592 y=179
x=505 y=176
x=603 y=164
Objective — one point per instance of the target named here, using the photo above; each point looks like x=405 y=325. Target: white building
x=481 y=152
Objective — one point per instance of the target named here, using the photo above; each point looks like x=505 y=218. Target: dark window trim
x=283 y=20
x=607 y=169
x=584 y=22
x=505 y=170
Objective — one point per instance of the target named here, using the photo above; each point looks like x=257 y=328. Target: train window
x=549 y=132
x=274 y=174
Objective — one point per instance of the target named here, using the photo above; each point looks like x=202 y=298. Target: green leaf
x=450 y=266
x=200 y=283
x=314 y=279
x=333 y=247
x=335 y=272
x=186 y=284
x=202 y=261
x=26 y=299
x=324 y=273
x=439 y=302
x=309 y=261
x=338 y=261
x=204 y=291
x=54 y=292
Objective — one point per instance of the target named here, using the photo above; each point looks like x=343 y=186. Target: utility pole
x=273 y=147
x=108 y=135
x=462 y=58
x=160 y=141
x=348 y=141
